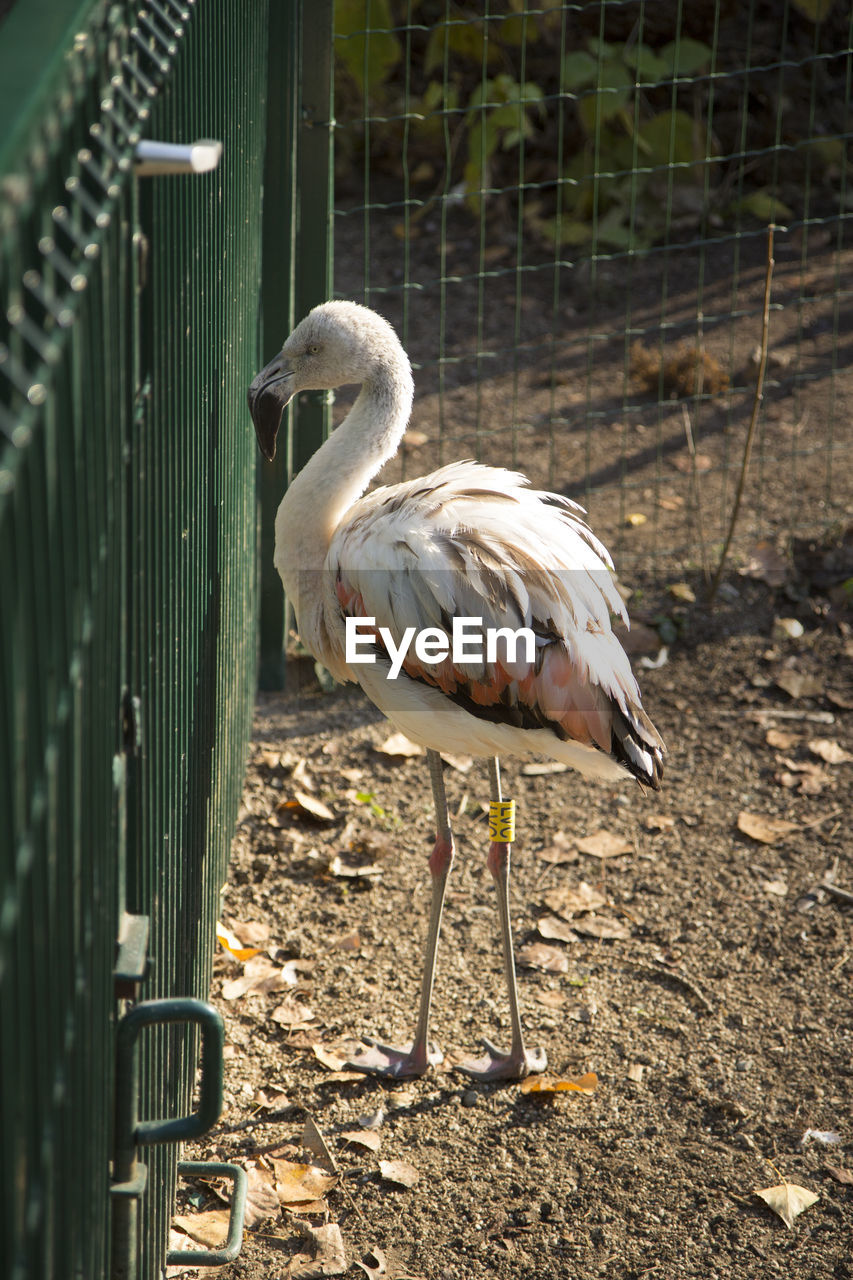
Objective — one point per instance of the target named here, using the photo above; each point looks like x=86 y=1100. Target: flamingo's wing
x=475 y=542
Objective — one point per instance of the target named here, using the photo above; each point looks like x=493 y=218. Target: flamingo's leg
x=383 y=1059
x=519 y=1061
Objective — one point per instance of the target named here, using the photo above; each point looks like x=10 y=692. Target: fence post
x=297 y=260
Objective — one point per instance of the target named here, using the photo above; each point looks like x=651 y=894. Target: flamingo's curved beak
x=271 y=391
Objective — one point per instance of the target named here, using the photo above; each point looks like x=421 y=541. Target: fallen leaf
x=655 y=664
x=363 y=1138
x=292 y=1014
x=788 y=1200
x=560 y=1084
x=602 y=927
x=780 y=739
x=767 y=564
x=302 y=805
x=341 y=867
x=698 y=461
x=313 y=1141
x=374 y=1264
x=347 y=942
x=250 y=932
x=798 y=684
x=328 y=1057
x=273 y=1098
x=543 y=768
x=550 y=999
x=672 y=502
x=399 y=1172
x=830 y=751
x=827 y=1137
x=568 y=902
x=553 y=929
x=328 y=1255
x=260 y=975
x=559 y=851
x=372 y=1119
x=229 y=940
x=778 y=888
x=844 y=1176
x=209 y=1228
x=658 y=822
x=300 y=1183
x=399 y=747
x=261 y=1199
x=840 y=699
x=761 y=827
x=603 y=844
x=549 y=959
x=682 y=591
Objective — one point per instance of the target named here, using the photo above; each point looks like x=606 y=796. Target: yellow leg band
x=502 y=821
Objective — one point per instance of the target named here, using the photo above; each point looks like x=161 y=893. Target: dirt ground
x=709 y=989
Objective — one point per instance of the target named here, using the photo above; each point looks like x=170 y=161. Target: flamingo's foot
x=395 y=1064
x=497 y=1065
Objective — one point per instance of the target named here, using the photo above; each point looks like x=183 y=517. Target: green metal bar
x=234 y=1241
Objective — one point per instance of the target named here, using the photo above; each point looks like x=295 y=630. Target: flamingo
x=464 y=542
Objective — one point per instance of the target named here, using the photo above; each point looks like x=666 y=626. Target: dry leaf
x=698 y=461
x=347 y=942
x=827 y=1137
x=399 y=747
x=766 y=563
x=557 y=1084
x=209 y=1228
x=603 y=844
x=229 y=940
x=261 y=1199
x=551 y=999
x=328 y=1057
x=602 y=927
x=374 y=1264
x=543 y=768
x=761 y=827
x=844 y=1176
x=301 y=1183
x=780 y=739
x=672 y=502
x=568 y=902
x=259 y=975
x=313 y=1141
x=399 y=1172
x=553 y=929
x=658 y=822
x=549 y=959
x=273 y=1098
x=682 y=591
x=339 y=866
x=788 y=1200
x=777 y=887
x=292 y=1014
x=797 y=684
x=830 y=751
x=328 y=1255
x=363 y=1138
x=559 y=851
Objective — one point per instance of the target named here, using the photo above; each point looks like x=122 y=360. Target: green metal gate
x=128 y=554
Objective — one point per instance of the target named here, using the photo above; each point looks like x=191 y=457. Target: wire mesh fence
x=565 y=210
x=127 y=575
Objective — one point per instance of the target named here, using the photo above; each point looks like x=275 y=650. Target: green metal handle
x=131 y=1131
x=231 y=1248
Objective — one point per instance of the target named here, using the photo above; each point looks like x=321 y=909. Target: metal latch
x=129 y=1173
x=233 y=1244
x=162 y=159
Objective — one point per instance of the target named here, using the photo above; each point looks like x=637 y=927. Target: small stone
x=470 y=1098
x=743 y=1064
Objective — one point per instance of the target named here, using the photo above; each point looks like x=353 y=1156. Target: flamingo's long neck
x=340 y=471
